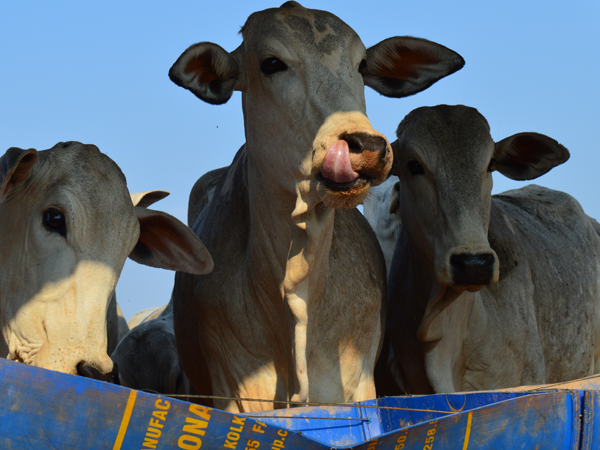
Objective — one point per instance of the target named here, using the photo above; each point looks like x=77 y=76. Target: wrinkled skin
x=67 y=224
x=486 y=291
x=294 y=308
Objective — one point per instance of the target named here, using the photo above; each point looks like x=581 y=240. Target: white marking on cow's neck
x=440 y=298
x=305 y=274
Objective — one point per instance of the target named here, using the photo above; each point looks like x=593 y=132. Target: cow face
x=302 y=75
x=67 y=225
x=445 y=157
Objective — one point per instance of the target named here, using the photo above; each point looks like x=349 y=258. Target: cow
x=383 y=222
x=116 y=322
x=487 y=292
x=146 y=315
x=67 y=225
x=147 y=359
x=294 y=308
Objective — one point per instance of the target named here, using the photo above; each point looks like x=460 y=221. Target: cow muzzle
x=102 y=372
x=470 y=270
x=351 y=165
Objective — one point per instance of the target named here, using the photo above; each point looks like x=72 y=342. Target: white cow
x=293 y=310
x=146 y=315
x=383 y=221
x=67 y=224
x=488 y=291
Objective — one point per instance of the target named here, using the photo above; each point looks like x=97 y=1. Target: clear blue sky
x=97 y=73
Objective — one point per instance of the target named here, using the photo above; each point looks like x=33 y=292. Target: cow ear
x=167 y=243
x=207 y=70
x=145 y=199
x=394 y=202
x=525 y=156
x=15 y=167
x=402 y=66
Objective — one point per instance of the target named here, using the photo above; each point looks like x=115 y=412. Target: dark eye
x=54 y=220
x=362 y=66
x=415 y=168
x=271 y=65
x=492 y=165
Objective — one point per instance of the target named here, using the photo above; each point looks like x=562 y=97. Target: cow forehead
x=86 y=172
x=447 y=135
x=296 y=26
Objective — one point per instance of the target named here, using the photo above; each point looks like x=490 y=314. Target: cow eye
x=492 y=165
x=415 y=168
x=362 y=66
x=271 y=65
x=54 y=221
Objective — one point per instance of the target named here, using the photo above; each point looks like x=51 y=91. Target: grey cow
x=67 y=225
x=487 y=291
x=293 y=308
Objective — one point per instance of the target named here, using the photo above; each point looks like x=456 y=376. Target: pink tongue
x=336 y=165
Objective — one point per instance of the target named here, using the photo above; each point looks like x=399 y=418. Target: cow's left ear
x=167 y=243
x=145 y=199
x=402 y=66
x=525 y=156
x=394 y=202
x=15 y=167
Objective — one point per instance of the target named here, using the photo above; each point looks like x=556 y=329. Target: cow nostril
x=88 y=371
x=472 y=269
x=358 y=142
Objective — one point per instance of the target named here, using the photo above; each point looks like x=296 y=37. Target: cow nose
x=472 y=269
x=88 y=371
x=359 y=142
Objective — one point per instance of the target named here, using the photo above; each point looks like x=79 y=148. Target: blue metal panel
x=366 y=423
x=591 y=421
x=43 y=409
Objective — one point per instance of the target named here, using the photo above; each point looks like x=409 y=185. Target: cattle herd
x=283 y=291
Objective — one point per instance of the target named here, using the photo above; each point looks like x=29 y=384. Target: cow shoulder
x=202 y=193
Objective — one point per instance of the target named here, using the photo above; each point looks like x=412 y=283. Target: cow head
x=445 y=157
x=67 y=225
x=302 y=75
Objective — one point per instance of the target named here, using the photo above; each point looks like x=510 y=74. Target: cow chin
x=347 y=195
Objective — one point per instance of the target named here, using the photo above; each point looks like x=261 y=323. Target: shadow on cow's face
x=443 y=157
x=67 y=225
x=302 y=75
x=65 y=237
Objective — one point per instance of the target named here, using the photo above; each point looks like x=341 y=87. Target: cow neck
x=296 y=259
x=441 y=314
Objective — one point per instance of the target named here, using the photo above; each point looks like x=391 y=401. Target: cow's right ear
x=167 y=243
x=207 y=70
x=15 y=167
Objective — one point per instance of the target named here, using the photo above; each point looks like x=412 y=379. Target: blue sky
x=97 y=73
